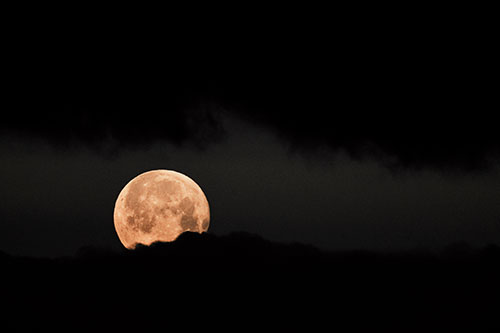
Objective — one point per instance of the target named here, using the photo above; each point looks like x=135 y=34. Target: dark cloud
x=89 y=108
x=413 y=100
x=414 y=97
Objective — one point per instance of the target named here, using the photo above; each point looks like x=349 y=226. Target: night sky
x=378 y=139
x=350 y=155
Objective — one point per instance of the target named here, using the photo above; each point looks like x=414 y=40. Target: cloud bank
x=410 y=99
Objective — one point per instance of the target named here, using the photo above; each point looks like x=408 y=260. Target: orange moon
x=159 y=205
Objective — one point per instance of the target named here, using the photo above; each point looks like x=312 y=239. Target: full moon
x=159 y=205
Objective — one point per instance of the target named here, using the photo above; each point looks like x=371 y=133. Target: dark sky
x=379 y=137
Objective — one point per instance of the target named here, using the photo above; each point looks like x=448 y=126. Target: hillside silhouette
x=242 y=282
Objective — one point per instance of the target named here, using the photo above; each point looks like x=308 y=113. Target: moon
x=159 y=205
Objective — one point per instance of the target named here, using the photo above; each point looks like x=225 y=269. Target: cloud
x=409 y=111
x=410 y=102
x=129 y=111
